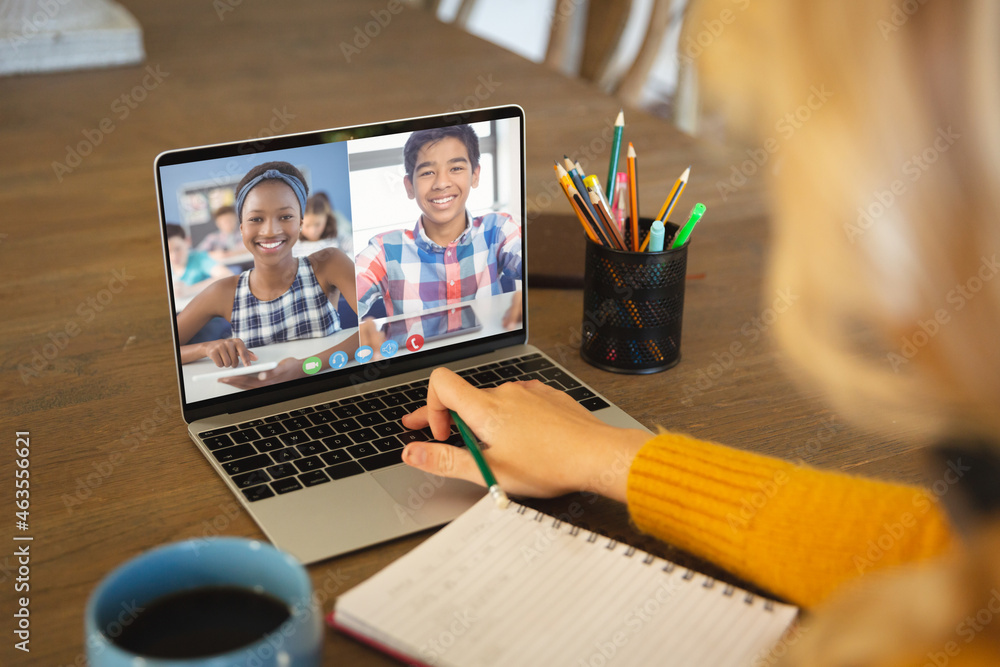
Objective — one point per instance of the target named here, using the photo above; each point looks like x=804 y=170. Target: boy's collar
x=421 y=238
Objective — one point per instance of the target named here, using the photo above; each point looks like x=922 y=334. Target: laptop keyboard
x=330 y=441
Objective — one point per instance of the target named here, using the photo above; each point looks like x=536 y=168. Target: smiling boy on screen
x=448 y=256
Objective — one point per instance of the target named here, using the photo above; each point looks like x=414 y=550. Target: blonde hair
x=886 y=200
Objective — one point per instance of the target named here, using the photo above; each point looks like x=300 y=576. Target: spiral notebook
x=518 y=587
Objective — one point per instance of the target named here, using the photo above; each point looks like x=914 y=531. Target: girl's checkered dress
x=304 y=311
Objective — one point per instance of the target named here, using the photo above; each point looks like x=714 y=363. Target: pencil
x=602 y=236
x=605 y=218
x=616 y=148
x=575 y=172
x=633 y=198
x=674 y=195
x=499 y=497
x=575 y=201
x=566 y=187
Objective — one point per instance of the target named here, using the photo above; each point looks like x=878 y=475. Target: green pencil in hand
x=499 y=497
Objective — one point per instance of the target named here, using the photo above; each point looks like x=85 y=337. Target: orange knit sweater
x=793 y=530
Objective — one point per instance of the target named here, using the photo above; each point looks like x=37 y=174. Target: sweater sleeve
x=796 y=531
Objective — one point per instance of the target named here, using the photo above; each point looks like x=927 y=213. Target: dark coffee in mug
x=201 y=622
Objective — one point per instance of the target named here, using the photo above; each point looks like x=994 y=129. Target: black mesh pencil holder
x=633 y=304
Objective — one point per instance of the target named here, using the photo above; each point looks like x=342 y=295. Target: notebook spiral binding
x=647 y=558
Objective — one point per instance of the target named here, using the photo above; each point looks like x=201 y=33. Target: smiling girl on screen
x=283 y=298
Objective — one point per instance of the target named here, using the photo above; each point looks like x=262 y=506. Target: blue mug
x=221 y=563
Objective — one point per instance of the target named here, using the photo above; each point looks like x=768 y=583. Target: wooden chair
x=603 y=29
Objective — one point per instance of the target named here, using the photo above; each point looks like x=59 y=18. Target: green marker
x=685 y=232
x=499 y=497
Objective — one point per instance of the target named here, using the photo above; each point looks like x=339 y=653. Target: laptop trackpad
x=428 y=499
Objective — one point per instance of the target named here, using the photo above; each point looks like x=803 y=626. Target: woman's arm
x=797 y=531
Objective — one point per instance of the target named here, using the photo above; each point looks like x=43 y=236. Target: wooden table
x=87 y=366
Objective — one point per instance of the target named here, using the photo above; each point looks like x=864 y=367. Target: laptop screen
x=315 y=261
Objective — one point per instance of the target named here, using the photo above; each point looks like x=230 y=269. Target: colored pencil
x=594 y=185
x=602 y=237
x=568 y=189
x=616 y=148
x=605 y=219
x=675 y=194
x=633 y=198
x=575 y=172
x=576 y=201
x=499 y=497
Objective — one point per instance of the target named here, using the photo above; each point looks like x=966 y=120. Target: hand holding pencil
x=538 y=441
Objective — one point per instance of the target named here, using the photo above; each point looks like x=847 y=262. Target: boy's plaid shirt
x=412 y=273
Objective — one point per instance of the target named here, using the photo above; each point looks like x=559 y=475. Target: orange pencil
x=633 y=198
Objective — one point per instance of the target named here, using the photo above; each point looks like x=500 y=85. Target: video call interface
x=399 y=244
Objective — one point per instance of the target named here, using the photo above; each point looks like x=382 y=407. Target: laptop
x=307 y=436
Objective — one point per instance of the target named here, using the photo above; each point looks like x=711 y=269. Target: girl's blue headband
x=271 y=174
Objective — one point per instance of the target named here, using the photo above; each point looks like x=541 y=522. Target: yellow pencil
x=674 y=195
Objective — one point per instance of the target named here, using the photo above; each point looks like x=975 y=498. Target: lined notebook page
x=518 y=587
